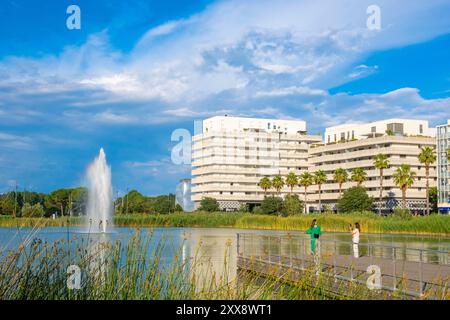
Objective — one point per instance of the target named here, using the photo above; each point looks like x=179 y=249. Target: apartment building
x=353 y=146
x=443 y=167
x=232 y=154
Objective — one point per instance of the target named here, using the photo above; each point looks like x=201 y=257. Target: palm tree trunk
x=404 y=197
x=306 y=202
x=381 y=191
x=427 y=173
x=320 y=198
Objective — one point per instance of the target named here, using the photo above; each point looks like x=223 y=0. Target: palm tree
x=427 y=157
x=404 y=178
x=340 y=176
x=291 y=180
x=359 y=176
x=278 y=183
x=320 y=178
x=265 y=184
x=381 y=162
x=306 y=179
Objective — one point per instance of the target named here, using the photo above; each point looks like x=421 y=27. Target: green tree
x=278 y=183
x=292 y=205
x=291 y=180
x=427 y=157
x=272 y=205
x=306 y=179
x=433 y=199
x=320 y=178
x=355 y=199
x=209 y=204
x=35 y=210
x=59 y=200
x=381 y=162
x=404 y=178
x=265 y=184
x=340 y=176
x=359 y=176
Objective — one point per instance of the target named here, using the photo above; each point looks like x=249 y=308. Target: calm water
x=215 y=244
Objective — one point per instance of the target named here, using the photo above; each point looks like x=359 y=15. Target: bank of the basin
x=370 y=223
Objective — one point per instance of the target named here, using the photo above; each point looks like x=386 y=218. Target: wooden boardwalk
x=412 y=278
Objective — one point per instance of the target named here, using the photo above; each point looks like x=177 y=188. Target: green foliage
x=278 y=183
x=178 y=208
x=292 y=205
x=209 y=204
x=257 y=210
x=135 y=202
x=433 y=198
x=272 y=205
x=243 y=208
x=291 y=180
x=265 y=184
x=402 y=213
x=35 y=210
x=355 y=199
x=359 y=176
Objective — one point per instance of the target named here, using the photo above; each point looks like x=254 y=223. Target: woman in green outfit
x=315 y=232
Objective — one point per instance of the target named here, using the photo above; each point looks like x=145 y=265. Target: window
x=421 y=129
x=268 y=125
x=342 y=136
x=396 y=128
x=335 y=137
x=353 y=134
x=328 y=138
x=373 y=129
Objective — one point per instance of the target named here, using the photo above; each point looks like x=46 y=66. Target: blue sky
x=137 y=70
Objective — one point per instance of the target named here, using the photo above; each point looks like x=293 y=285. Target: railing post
x=269 y=251
x=334 y=258
x=394 y=280
x=290 y=252
x=280 y=247
x=420 y=274
x=237 y=244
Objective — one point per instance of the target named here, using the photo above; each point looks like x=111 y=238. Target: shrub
x=402 y=213
x=243 y=208
x=178 y=208
x=272 y=205
x=292 y=205
x=209 y=204
x=355 y=199
x=257 y=210
x=29 y=210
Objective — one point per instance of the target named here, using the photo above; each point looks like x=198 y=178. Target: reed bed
x=136 y=269
x=370 y=223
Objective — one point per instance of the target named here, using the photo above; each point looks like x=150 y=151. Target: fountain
x=100 y=201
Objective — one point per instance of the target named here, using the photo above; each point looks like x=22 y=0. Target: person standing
x=355 y=239
x=315 y=232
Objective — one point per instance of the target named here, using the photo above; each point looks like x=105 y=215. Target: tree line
x=72 y=202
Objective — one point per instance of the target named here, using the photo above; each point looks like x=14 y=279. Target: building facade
x=443 y=167
x=232 y=154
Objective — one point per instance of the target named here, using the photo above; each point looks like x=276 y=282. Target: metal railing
x=293 y=251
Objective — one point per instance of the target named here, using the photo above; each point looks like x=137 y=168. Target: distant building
x=443 y=167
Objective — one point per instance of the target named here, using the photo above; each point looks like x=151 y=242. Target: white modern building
x=354 y=146
x=443 y=167
x=232 y=154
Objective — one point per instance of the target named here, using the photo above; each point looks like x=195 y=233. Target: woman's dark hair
x=357 y=226
x=313 y=223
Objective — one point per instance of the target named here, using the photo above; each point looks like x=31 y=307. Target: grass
x=370 y=223
x=134 y=270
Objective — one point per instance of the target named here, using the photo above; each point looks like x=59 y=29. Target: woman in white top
x=355 y=239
